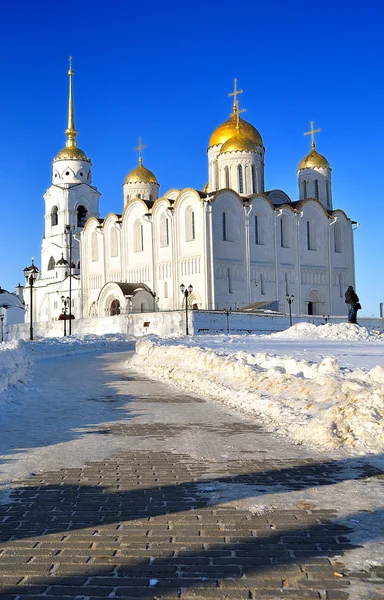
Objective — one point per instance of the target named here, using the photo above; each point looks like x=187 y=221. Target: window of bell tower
x=81 y=215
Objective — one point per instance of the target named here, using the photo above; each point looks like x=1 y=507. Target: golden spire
x=71 y=132
x=140 y=148
x=312 y=133
x=236 y=112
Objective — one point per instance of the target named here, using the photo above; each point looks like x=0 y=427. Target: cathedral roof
x=314 y=160
x=238 y=143
x=71 y=153
x=228 y=129
x=140 y=175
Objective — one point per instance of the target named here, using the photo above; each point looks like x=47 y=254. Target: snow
x=327 y=399
x=321 y=386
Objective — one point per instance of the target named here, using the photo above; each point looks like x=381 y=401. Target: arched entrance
x=115 y=308
x=314 y=303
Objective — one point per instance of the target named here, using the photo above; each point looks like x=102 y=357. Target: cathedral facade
x=232 y=244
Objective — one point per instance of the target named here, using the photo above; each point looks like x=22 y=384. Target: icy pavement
x=93 y=408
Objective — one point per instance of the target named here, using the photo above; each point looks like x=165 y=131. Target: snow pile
x=329 y=331
x=313 y=402
x=16 y=357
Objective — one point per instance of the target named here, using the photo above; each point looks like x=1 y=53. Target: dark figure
x=352 y=299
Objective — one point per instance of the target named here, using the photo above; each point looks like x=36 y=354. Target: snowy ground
x=322 y=386
x=56 y=392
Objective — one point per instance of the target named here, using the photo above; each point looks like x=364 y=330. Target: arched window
x=224 y=226
x=259 y=230
x=262 y=290
x=337 y=237
x=189 y=224
x=316 y=189
x=304 y=189
x=54 y=216
x=114 y=244
x=94 y=247
x=226 y=176
x=164 y=230
x=138 y=236
x=165 y=289
x=51 y=264
x=328 y=194
x=284 y=232
x=310 y=236
x=81 y=215
x=115 y=308
x=254 y=181
x=240 y=177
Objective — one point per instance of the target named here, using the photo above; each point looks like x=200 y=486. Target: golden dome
x=314 y=160
x=71 y=153
x=228 y=129
x=140 y=175
x=238 y=143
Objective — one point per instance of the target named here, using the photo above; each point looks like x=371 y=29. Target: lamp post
x=290 y=299
x=186 y=292
x=69 y=229
x=31 y=274
x=227 y=312
x=66 y=304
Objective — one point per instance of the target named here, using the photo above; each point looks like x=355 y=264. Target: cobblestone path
x=141 y=525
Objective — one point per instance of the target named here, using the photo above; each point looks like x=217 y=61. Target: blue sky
x=163 y=71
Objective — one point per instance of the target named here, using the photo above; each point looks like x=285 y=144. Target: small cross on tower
x=236 y=112
x=312 y=133
x=139 y=148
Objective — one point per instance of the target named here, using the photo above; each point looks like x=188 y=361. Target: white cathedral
x=234 y=242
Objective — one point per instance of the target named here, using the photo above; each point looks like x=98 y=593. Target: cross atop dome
x=139 y=149
x=236 y=112
x=312 y=134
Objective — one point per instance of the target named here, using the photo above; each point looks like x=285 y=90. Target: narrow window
x=304 y=189
x=226 y=173
x=240 y=176
x=94 y=247
x=138 y=236
x=139 y=195
x=337 y=237
x=256 y=229
x=54 y=216
x=223 y=226
x=114 y=244
x=316 y=189
x=254 y=187
x=164 y=231
x=51 y=264
x=262 y=290
x=230 y=291
x=189 y=224
x=81 y=215
x=165 y=289
x=308 y=235
x=327 y=189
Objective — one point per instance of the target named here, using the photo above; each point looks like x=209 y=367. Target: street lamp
x=69 y=229
x=31 y=274
x=186 y=292
x=66 y=303
x=227 y=312
x=290 y=299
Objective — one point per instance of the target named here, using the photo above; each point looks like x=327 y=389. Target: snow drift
x=316 y=403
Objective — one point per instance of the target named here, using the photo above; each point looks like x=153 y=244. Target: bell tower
x=70 y=200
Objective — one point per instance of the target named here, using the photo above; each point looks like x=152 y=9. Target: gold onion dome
x=71 y=153
x=314 y=160
x=140 y=175
x=238 y=143
x=228 y=129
